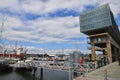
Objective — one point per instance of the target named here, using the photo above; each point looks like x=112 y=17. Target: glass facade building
x=97 y=18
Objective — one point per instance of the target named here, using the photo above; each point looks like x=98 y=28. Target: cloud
x=48 y=6
x=47 y=21
x=34 y=50
x=41 y=7
x=8 y=3
x=114 y=5
x=59 y=29
x=44 y=7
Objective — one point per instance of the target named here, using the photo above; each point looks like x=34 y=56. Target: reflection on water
x=54 y=74
x=23 y=75
x=15 y=76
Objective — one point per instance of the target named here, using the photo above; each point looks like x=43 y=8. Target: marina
x=47 y=45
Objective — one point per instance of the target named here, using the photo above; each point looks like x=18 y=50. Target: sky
x=48 y=25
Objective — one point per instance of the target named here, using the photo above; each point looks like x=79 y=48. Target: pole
x=69 y=69
x=33 y=71
x=41 y=73
x=1 y=33
x=1 y=47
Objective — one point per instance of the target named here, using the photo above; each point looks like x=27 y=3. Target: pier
x=66 y=66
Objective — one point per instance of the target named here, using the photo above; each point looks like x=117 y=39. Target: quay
x=109 y=72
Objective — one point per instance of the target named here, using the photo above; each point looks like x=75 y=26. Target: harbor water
x=48 y=74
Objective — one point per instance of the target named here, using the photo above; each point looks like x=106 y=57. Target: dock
x=55 y=66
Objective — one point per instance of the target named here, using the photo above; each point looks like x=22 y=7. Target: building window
x=95 y=39
x=99 y=39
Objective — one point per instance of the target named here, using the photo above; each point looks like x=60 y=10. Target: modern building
x=103 y=33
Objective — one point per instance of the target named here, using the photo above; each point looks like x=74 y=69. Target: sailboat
x=4 y=64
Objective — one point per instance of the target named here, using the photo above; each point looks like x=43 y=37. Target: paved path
x=110 y=72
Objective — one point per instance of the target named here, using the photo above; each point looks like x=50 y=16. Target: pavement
x=109 y=72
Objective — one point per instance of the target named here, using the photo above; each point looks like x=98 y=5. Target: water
x=15 y=76
x=25 y=75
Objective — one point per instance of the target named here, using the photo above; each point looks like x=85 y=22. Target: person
x=81 y=61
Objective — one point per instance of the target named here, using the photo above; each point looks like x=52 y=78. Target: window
x=95 y=39
x=99 y=39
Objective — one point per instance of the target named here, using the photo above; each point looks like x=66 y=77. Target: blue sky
x=48 y=24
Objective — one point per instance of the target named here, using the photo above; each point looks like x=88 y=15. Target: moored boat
x=4 y=66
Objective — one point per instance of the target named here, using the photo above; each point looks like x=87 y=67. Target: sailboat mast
x=1 y=33
x=1 y=37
